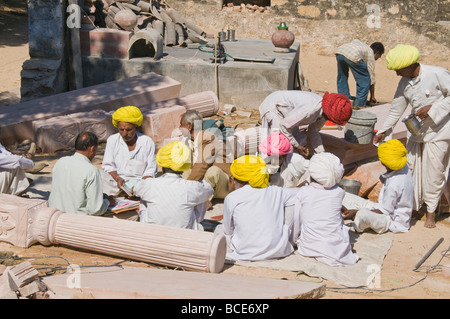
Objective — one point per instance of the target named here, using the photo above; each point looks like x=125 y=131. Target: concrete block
x=159 y=123
x=60 y=132
x=16 y=120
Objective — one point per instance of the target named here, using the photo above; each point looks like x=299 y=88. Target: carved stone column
x=24 y=222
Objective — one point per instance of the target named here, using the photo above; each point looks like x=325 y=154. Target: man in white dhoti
x=426 y=88
x=286 y=169
x=129 y=155
x=77 y=183
x=169 y=199
x=12 y=172
x=395 y=202
x=254 y=213
x=318 y=225
x=287 y=110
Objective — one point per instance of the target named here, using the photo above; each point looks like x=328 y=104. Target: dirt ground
x=398 y=280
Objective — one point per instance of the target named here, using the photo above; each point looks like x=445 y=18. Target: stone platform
x=239 y=82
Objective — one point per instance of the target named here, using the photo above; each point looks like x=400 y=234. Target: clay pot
x=282 y=39
x=126 y=19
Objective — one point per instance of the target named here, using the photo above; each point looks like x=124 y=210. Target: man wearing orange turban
x=426 y=89
x=129 y=154
x=285 y=111
x=394 y=208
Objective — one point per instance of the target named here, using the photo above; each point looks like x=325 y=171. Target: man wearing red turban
x=287 y=110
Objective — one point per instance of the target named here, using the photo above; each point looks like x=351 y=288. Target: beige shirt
x=357 y=51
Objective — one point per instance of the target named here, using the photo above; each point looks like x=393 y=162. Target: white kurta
x=77 y=187
x=322 y=233
x=12 y=176
x=292 y=172
x=253 y=219
x=431 y=87
x=132 y=165
x=173 y=201
x=287 y=110
x=395 y=201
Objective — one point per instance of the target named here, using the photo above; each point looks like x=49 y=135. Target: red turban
x=337 y=108
x=275 y=144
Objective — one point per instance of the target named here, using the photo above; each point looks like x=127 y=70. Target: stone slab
x=242 y=83
x=16 y=120
x=138 y=282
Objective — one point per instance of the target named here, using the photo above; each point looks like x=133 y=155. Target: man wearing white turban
x=426 y=88
x=318 y=225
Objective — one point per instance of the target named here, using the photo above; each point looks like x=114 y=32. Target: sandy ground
x=397 y=276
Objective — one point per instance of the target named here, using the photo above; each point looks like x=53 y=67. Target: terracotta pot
x=282 y=39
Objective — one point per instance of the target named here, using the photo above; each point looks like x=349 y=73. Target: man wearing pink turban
x=286 y=110
x=288 y=169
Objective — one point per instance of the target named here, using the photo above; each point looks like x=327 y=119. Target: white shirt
x=253 y=219
x=136 y=164
x=172 y=201
x=431 y=87
x=323 y=234
x=77 y=187
x=293 y=171
x=396 y=199
x=293 y=109
x=9 y=160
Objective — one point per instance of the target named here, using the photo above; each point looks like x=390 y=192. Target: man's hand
x=378 y=138
x=423 y=112
x=111 y=199
x=349 y=213
x=302 y=151
x=120 y=181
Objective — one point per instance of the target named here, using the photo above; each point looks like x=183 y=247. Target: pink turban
x=337 y=108
x=275 y=144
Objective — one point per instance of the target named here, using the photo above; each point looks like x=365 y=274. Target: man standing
x=426 y=88
x=286 y=110
x=360 y=59
x=169 y=199
x=76 y=183
x=129 y=155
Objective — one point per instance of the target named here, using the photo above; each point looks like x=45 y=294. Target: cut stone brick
x=60 y=132
x=106 y=43
x=159 y=123
x=16 y=120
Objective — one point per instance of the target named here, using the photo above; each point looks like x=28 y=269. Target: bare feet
x=430 y=221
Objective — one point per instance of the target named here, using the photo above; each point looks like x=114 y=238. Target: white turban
x=326 y=169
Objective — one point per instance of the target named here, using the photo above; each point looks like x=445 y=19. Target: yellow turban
x=392 y=153
x=174 y=155
x=251 y=169
x=401 y=57
x=128 y=114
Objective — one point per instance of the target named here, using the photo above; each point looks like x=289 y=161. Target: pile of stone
x=230 y=7
x=137 y=15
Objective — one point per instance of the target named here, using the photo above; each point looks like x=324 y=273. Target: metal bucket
x=350 y=186
x=360 y=127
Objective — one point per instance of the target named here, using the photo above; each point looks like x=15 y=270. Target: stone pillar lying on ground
x=24 y=222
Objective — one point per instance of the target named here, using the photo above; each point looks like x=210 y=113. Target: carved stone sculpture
x=24 y=222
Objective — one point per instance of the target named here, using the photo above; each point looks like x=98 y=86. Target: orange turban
x=337 y=108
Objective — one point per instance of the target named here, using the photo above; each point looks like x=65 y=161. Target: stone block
x=16 y=120
x=60 y=132
x=159 y=123
x=106 y=43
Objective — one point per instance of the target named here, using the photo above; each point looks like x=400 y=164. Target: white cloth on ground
x=254 y=222
x=77 y=187
x=321 y=230
x=173 y=201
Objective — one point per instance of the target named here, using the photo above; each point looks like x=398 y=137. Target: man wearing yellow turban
x=426 y=89
x=169 y=199
x=254 y=213
x=129 y=154
x=394 y=208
